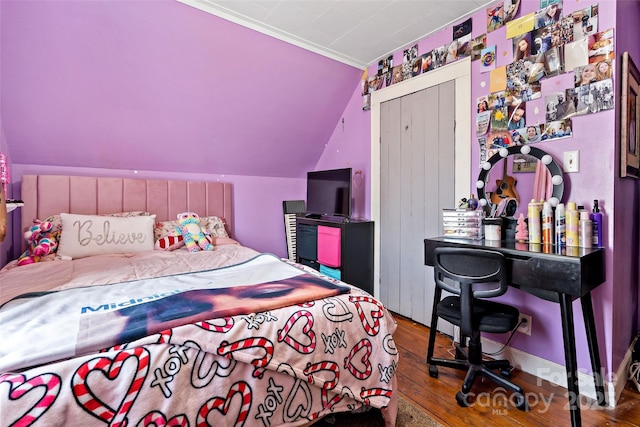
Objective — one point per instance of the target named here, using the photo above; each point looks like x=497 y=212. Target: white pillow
x=86 y=235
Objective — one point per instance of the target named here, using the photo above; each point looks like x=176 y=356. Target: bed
x=94 y=335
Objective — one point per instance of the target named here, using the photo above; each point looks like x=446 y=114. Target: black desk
x=558 y=277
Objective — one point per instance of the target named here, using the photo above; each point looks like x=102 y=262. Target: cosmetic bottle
x=560 y=226
x=547 y=224
x=585 y=238
x=596 y=219
x=472 y=202
x=572 y=220
x=533 y=213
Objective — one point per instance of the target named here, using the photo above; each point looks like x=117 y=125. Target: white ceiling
x=356 y=32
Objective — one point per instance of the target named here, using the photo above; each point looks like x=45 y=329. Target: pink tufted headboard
x=46 y=195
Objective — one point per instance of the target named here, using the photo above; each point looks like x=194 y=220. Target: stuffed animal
x=195 y=239
x=42 y=241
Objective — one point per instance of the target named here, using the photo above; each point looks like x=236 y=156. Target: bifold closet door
x=416 y=183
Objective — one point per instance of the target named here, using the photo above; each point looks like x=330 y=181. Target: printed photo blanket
x=263 y=343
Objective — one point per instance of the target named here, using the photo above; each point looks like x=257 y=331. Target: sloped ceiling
x=162 y=86
x=356 y=32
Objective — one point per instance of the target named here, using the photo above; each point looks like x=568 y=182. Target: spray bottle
x=585 y=234
x=533 y=213
x=547 y=224
x=561 y=237
x=596 y=219
x=572 y=220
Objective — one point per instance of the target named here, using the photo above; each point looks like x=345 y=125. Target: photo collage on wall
x=545 y=44
x=413 y=64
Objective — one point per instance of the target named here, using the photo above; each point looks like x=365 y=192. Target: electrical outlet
x=525 y=327
x=571 y=161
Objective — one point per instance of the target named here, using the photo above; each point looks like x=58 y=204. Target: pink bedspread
x=56 y=274
x=281 y=367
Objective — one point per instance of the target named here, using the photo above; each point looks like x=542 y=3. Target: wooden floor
x=548 y=403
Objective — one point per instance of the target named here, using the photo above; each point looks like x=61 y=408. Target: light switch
x=572 y=161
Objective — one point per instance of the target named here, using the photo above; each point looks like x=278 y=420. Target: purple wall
x=6 y=253
x=350 y=146
x=162 y=86
x=626 y=243
x=594 y=135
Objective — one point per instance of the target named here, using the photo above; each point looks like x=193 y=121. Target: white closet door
x=417 y=177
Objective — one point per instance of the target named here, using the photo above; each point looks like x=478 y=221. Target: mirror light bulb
x=483 y=202
x=503 y=152
x=525 y=149
x=546 y=159
x=480 y=184
x=554 y=202
x=486 y=166
x=557 y=179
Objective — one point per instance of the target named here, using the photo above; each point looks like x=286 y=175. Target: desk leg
x=569 y=337
x=592 y=339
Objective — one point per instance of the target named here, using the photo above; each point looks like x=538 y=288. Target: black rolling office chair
x=465 y=273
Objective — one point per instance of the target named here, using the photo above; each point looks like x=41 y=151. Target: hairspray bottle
x=572 y=220
x=533 y=212
x=596 y=219
x=547 y=224
x=561 y=238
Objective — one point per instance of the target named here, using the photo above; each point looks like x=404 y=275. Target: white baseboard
x=456 y=334
x=556 y=374
x=623 y=371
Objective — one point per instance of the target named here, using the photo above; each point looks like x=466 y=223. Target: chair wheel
x=433 y=371
x=461 y=398
x=521 y=402
x=506 y=373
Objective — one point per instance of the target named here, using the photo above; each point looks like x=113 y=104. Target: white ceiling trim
x=390 y=24
x=214 y=9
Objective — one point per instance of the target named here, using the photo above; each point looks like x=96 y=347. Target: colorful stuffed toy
x=42 y=241
x=192 y=234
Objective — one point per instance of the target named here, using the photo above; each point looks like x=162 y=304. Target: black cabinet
x=342 y=247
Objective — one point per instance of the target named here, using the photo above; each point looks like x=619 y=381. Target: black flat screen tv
x=329 y=193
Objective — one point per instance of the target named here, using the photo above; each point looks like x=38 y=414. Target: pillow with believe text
x=87 y=235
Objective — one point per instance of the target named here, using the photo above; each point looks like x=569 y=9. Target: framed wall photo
x=630 y=122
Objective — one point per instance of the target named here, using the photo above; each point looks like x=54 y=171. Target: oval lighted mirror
x=552 y=166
